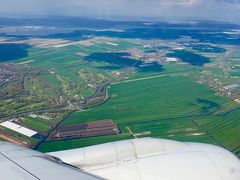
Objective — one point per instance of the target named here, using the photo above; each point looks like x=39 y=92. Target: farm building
x=231 y=87
x=20 y=129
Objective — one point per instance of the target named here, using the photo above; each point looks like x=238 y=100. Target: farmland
x=36 y=123
x=82 y=142
x=183 y=110
x=161 y=80
x=131 y=103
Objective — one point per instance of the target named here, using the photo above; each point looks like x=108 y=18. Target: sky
x=227 y=10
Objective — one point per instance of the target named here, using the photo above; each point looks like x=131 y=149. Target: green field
x=69 y=144
x=156 y=98
x=166 y=106
x=57 y=75
x=37 y=124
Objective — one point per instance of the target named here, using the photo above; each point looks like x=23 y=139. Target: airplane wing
x=154 y=158
x=19 y=163
x=136 y=159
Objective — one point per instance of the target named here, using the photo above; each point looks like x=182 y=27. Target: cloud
x=201 y=9
x=232 y=1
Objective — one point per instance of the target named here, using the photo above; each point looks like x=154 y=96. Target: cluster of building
x=149 y=57
x=43 y=116
x=232 y=91
x=6 y=73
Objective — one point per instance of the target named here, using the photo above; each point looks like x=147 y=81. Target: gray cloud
x=174 y=9
x=232 y=1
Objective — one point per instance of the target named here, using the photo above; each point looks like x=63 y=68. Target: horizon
x=187 y=20
x=171 y=10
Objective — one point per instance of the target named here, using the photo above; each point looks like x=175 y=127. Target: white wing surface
x=154 y=159
x=19 y=163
